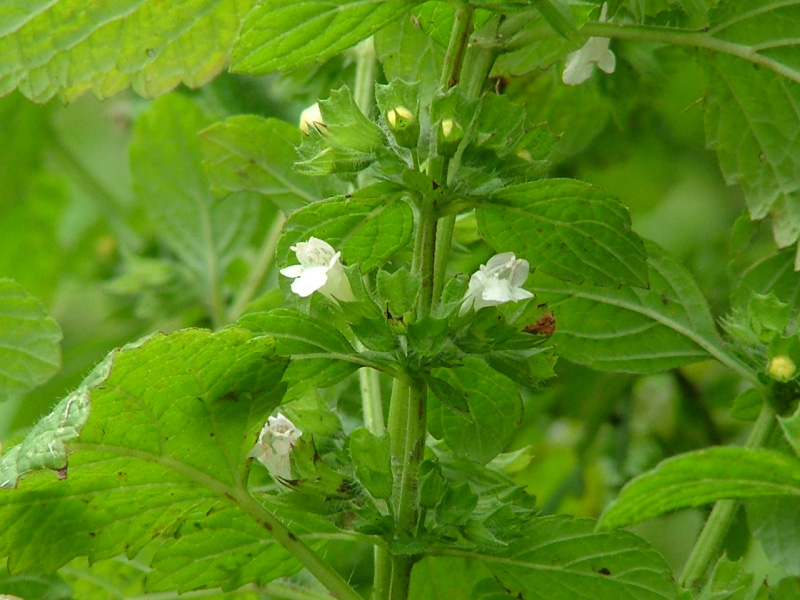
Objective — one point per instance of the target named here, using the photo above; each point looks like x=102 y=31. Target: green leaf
x=701 y=477
x=152 y=449
x=494 y=409
x=744 y=102
x=562 y=557
x=775 y=523
x=321 y=356
x=791 y=429
x=632 y=329
x=373 y=466
x=407 y=53
x=568 y=229
x=368 y=227
x=69 y=47
x=30 y=351
x=729 y=581
x=247 y=153
x=434 y=578
x=558 y=15
x=169 y=179
x=281 y=35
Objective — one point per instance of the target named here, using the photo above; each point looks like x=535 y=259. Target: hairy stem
x=719 y=521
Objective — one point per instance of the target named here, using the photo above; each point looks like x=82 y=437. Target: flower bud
x=275 y=443
x=312 y=117
x=781 y=367
x=448 y=136
x=404 y=126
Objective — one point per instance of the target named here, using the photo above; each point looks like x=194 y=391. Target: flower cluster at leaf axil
x=320 y=270
x=274 y=446
x=580 y=64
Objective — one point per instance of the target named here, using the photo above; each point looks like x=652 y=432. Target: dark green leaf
x=30 y=351
x=281 y=35
x=321 y=356
x=152 y=446
x=494 y=410
x=367 y=227
x=567 y=229
x=701 y=477
x=247 y=153
x=69 y=47
x=775 y=522
x=632 y=329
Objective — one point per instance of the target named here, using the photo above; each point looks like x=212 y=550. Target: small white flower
x=497 y=282
x=319 y=271
x=312 y=117
x=274 y=446
x=580 y=64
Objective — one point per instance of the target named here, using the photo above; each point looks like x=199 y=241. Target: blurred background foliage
x=76 y=236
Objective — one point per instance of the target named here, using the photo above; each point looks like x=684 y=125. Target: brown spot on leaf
x=604 y=571
x=61 y=473
x=546 y=325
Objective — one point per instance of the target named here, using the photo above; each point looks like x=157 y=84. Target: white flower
x=312 y=117
x=274 y=445
x=580 y=64
x=319 y=271
x=497 y=282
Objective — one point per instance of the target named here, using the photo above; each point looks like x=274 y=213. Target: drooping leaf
x=562 y=557
x=30 y=351
x=281 y=35
x=68 y=47
x=775 y=523
x=480 y=418
x=751 y=115
x=368 y=227
x=568 y=229
x=151 y=448
x=633 y=329
x=169 y=179
x=701 y=477
x=321 y=356
x=253 y=154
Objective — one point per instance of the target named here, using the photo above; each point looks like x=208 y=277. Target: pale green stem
x=260 y=269
x=719 y=521
x=372 y=406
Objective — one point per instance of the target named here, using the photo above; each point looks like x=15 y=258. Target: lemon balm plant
x=431 y=265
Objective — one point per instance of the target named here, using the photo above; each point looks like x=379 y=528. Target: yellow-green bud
x=312 y=117
x=404 y=126
x=398 y=115
x=450 y=134
x=782 y=368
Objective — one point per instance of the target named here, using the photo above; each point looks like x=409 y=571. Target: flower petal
x=293 y=271
x=310 y=281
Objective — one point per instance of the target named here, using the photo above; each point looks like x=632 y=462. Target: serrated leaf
x=701 y=477
x=247 y=153
x=494 y=409
x=791 y=430
x=566 y=228
x=632 y=329
x=562 y=557
x=321 y=356
x=30 y=351
x=372 y=462
x=169 y=179
x=281 y=35
x=368 y=227
x=407 y=53
x=729 y=581
x=67 y=47
x=775 y=523
x=153 y=447
x=751 y=115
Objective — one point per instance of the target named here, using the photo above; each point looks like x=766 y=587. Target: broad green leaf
x=752 y=120
x=33 y=585
x=562 y=557
x=30 y=351
x=152 y=449
x=568 y=229
x=368 y=226
x=284 y=35
x=701 y=477
x=372 y=462
x=434 y=578
x=321 y=356
x=247 y=153
x=493 y=410
x=407 y=53
x=791 y=429
x=775 y=523
x=633 y=329
x=729 y=581
x=169 y=179
x=67 y=47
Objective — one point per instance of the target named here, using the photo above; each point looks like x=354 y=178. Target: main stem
x=719 y=521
